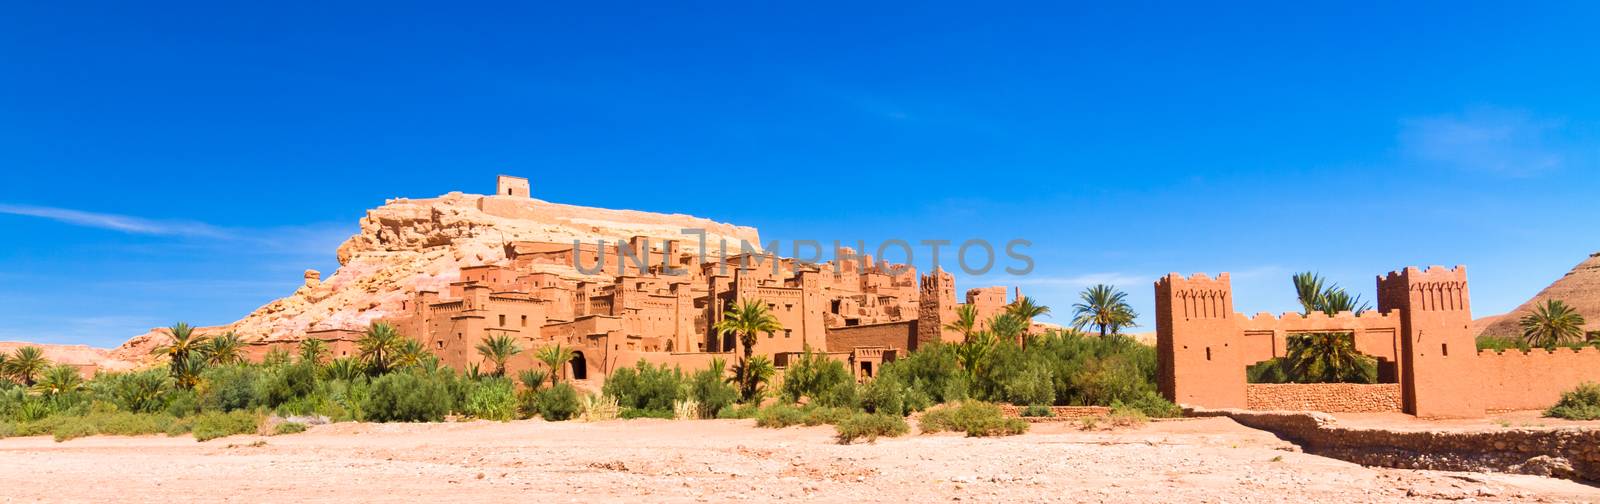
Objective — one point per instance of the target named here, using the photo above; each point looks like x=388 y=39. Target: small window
x=524 y=321
x=439 y=344
x=1444 y=349
x=502 y=321
x=788 y=333
x=1208 y=353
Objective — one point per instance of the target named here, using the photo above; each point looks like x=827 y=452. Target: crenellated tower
x=1439 y=371
x=936 y=306
x=1198 y=358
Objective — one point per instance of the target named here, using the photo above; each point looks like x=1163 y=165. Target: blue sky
x=187 y=161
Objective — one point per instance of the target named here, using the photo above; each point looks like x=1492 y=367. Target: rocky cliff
x=1579 y=288
x=408 y=245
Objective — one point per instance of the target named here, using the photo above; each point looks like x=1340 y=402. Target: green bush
x=932 y=374
x=282 y=384
x=65 y=427
x=778 y=416
x=713 y=393
x=1038 y=411
x=491 y=399
x=288 y=428
x=558 y=403
x=821 y=379
x=212 y=424
x=1581 y=403
x=228 y=388
x=645 y=386
x=977 y=419
x=409 y=396
x=739 y=412
x=869 y=427
x=884 y=395
x=1151 y=405
x=139 y=392
x=632 y=413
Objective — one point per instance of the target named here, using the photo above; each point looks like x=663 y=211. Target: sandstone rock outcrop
x=408 y=245
x=1579 y=288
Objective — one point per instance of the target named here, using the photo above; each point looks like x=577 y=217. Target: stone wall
x=1061 y=413
x=1572 y=453
x=1329 y=397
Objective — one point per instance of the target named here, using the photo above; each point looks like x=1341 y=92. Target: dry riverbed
x=1198 y=460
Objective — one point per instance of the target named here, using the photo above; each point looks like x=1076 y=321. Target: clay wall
x=1516 y=380
x=1327 y=397
x=900 y=336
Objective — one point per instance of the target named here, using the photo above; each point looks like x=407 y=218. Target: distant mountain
x=1579 y=288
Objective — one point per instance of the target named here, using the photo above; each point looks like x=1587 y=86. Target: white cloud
x=1489 y=140
x=114 y=222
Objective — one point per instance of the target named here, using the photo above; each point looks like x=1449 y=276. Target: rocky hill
x=1579 y=288
x=408 y=245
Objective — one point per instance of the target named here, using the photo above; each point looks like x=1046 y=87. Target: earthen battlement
x=1459 y=271
x=1540 y=352
x=1369 y=315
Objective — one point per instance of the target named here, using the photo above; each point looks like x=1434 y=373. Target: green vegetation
x=1103 y=308
x=1581 y=403
x=497 y=350
x=747 y=320
x=869 y=427
x=288 y=428
x=1319 y=357
x=555 y=358
x=214 y=424
x=1552 y=323
x=977 y=419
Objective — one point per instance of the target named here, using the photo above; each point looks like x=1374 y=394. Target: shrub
x=408 y=396
x=212 y=424
x=491 y=399
x=819 y=378
x=1126 y=417
x=139 y=392
x=1581 y=403
x=558 y=403
x=687 y=409
x=1038 y=411
x=884 y=395
x=598 y=408
x=288 y=428
x=710 y=391
x=932 y=375
x=739 y=412
x=228 y=388
x=977 y=419
x=632 y=413
x=869 y=426
x=286 y=383
x=182 y=403
x=646 y=386
x=1152 y=405
x=778 y=416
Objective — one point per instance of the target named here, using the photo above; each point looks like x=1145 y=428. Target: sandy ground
x=1198 y=460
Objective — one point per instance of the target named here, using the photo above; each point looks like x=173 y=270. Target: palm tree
x=1327 y=358
x=1008 y=327
x=186 y=370
x=750 y=375
x=748 y=319
x=343 y=368
x=497 y=350
x=183 y=342
x=27 y=364
x=532 y=378
x=966 y=321
x=5 y=366
x=379 y=345
x=410 y=354
x=974 y=352
x=313 y=350
x=1105 y=308
x=58 y=380
x=1026 y=308
x=1316 y=295
x=224 y=349
x=555 y=357
x=1552 y=323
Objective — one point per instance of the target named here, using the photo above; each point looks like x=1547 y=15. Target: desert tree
x=344 y=368
x=183 y=350
x=1105 y=308
x=555 y=357
x=1315 y=295
x=57 y=380
x=26 y=365
x=533 y=378
x=314 y=351
x=1332 y=356
x=410 y=353
x=224 y=349
x=379 y=346
x=751 y=376
x=1552 y=323
x=497 y=350
x=966 y=321
x=747 y=319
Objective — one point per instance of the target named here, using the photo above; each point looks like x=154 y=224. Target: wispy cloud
x=114 y=222
x=1084 y=280
x=1505 y=142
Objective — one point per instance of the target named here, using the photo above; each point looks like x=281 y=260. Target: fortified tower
x=516 y=187
x=1439 y=374
x=1198 y=361
x=936 y=306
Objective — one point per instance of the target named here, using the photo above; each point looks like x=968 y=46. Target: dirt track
x=1203 y=460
